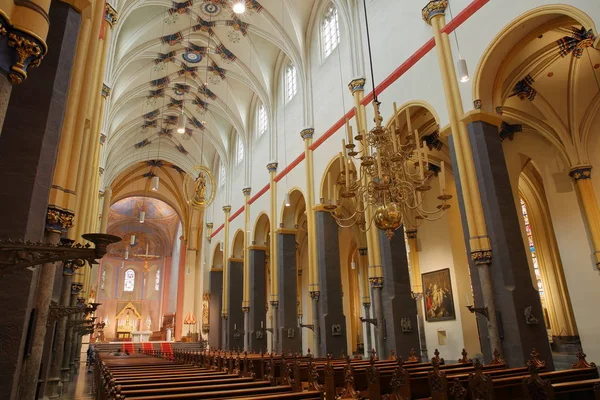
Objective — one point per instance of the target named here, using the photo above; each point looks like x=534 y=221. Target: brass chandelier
x=392 y=183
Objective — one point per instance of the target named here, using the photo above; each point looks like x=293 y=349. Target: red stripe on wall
x=290 y=167
x=235 y=214
x=457 y=21
x=262 y=191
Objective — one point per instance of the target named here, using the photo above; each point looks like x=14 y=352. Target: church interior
x=299 y=199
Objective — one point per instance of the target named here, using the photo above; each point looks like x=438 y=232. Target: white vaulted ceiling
x=246 y=53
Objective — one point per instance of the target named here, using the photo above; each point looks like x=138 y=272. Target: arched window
x=157 y=280
x=222 y=174
x=536 y=267
x=262 y=120
x=291 y=84
x=129 y=282
x=239 y=148
x=330 y=30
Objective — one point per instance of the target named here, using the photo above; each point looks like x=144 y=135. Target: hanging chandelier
x=392 y=183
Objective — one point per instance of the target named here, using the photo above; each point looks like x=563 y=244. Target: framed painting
x=438 y=297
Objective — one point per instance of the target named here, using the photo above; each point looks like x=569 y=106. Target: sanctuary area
x=299 y=199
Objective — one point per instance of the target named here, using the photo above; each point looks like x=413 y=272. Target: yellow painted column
x=481 y=250
x=313 y=272
x=77 y=129
x=373 y=245
x=582 y=175
x=363 y=265
x=106 y=209
x=246 y=296
x=59 y=193
x=273 y=261
x=226 y=288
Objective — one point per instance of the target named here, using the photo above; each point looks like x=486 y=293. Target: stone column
x=274 y=294
x=510 y=276
x=225 y=302
x=246 y=299
x=65 y=371
x=417 y=288
x=235 y=315
x=54 y=386
x=332 y=320
x=366 y=299
x=215 y=307
x=290 y=340
x=471 y=206
x=313 y=270
x=258 y=299
x=106 y=210
x=582 y=176
x=399 y=308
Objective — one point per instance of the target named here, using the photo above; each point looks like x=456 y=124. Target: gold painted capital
x=376 y=281
x=272 y=166
x=246 y=191
x=110 y=15
x=29 y=51
x=106 y=90
x=210 y=225
x=307 y=133
x=411 y=233
x=226 y=209
x=357 y=84
x=434 y=8
x=581 y=172
x=59 y=219
x=481 y=257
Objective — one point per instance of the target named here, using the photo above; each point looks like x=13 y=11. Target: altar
x=141 y=336
x=128 y=324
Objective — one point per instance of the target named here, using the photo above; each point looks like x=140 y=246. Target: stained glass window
x=157 y=280
x=331 y=30
x=536 y=267
x=129 y=283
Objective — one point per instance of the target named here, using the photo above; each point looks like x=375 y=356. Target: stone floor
x=81 y=387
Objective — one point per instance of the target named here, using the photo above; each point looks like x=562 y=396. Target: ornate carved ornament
x=433 y=8
x=356 y=84
x=376 y=282
x=25 y=49
x=106 y=90
x=59 y=220
x=481 y=257
x=272 y=166
x=59 y=312
x=307 y=133
x=581 y=172
x=110 y=15
x=28 y=254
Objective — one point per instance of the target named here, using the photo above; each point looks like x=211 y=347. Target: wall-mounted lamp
x=155 y=183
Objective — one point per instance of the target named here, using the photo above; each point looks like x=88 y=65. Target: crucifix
x=146 y=257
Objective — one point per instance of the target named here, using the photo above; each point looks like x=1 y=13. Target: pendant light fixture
x=155 y=183
x=126 y=254
x=353 y=264
x=132 y=241
x=142 y=217
x=239 y=7
x=287 y=200
x=461 y=65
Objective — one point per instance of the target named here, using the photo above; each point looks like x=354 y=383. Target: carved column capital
x=376 y=281
x=315 y=295
x=272 y=166
x=411 y=233
x=481 y=257
x=356 y=84
x=226 y=209
x=307 y=133
x=433 y=8
x=58 y=220
x=246 y=191
x=111 y=15
x=106 y=90
x=26 y=50
x=581 y=172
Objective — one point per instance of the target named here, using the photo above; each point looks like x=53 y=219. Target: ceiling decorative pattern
x=201 y=58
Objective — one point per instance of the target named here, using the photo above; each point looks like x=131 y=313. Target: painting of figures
x=437 y=295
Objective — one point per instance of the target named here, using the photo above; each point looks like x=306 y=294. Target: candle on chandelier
x=351 y=140
x=394 y=136
x=344 y=147
x=408 y=124
x=442 y=177
x=329 y=187
x=347 y=173
x=426 y=151
x=379 y=164
x=396 y=115
x=419 y=156
x=341 y=157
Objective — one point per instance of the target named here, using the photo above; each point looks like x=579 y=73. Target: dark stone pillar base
x=399 y=307
x=289 y=334
x=215 y=306
x=235 y=315
x=331 y=306
x=513 y=288
x=258 y=301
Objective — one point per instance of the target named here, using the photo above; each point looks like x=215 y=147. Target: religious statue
x=200 y=188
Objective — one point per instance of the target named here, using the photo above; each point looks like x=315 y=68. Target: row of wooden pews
x=216 y=374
